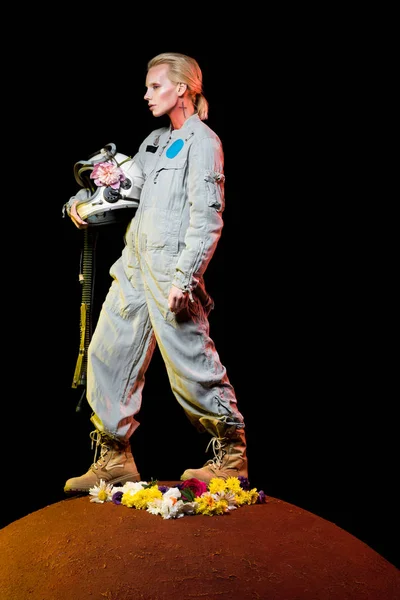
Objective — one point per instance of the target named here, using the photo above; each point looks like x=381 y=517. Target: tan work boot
x=115 y=466
x=229 y=460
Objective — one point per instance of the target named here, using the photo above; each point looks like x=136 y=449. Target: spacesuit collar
x=188 y=123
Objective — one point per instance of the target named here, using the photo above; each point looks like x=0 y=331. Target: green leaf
x=188 y=495
x=152 y=483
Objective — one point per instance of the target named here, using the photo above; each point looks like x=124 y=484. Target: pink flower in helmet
x=107 y=174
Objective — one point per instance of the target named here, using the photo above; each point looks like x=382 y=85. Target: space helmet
x=111 y=185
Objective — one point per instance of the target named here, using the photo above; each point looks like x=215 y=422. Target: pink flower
x=107 y=174
x=194 y=485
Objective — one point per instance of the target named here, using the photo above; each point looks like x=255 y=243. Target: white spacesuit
x=169 y=241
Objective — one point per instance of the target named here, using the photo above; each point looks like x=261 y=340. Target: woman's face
x=161 y=95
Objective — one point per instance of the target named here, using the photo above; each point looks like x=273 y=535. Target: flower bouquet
x=191 y=497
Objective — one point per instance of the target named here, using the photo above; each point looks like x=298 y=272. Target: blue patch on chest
x=174 y=149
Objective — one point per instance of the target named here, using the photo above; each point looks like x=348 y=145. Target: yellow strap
x=79 y=363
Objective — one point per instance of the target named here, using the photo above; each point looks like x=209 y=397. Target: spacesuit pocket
x=215 y=187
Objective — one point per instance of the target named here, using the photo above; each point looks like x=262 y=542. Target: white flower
x=101 y=493
x=230 y=498
x=154 y=507
x=172 y=493
x=170 y=506
x=133 y=486
x=164 y=507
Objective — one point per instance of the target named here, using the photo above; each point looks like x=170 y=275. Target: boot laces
x=218 y=448
x=99 y=441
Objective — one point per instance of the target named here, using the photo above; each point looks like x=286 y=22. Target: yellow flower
x=246 y=497
x=207 y=505
x=216 y=485
x=140 y=498
x=233 y=484
x=253 y=495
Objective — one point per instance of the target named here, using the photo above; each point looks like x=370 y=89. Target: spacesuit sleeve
x=206 y=196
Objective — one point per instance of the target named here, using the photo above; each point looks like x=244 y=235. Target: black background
x=298 y=321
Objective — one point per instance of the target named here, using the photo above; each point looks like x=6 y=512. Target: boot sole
x=118 y=480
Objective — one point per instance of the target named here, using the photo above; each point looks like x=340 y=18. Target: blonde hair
x=185 y=69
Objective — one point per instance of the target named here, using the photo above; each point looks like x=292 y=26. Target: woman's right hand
x=77 y=221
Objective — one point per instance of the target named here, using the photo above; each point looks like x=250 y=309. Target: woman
x=158 y=296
